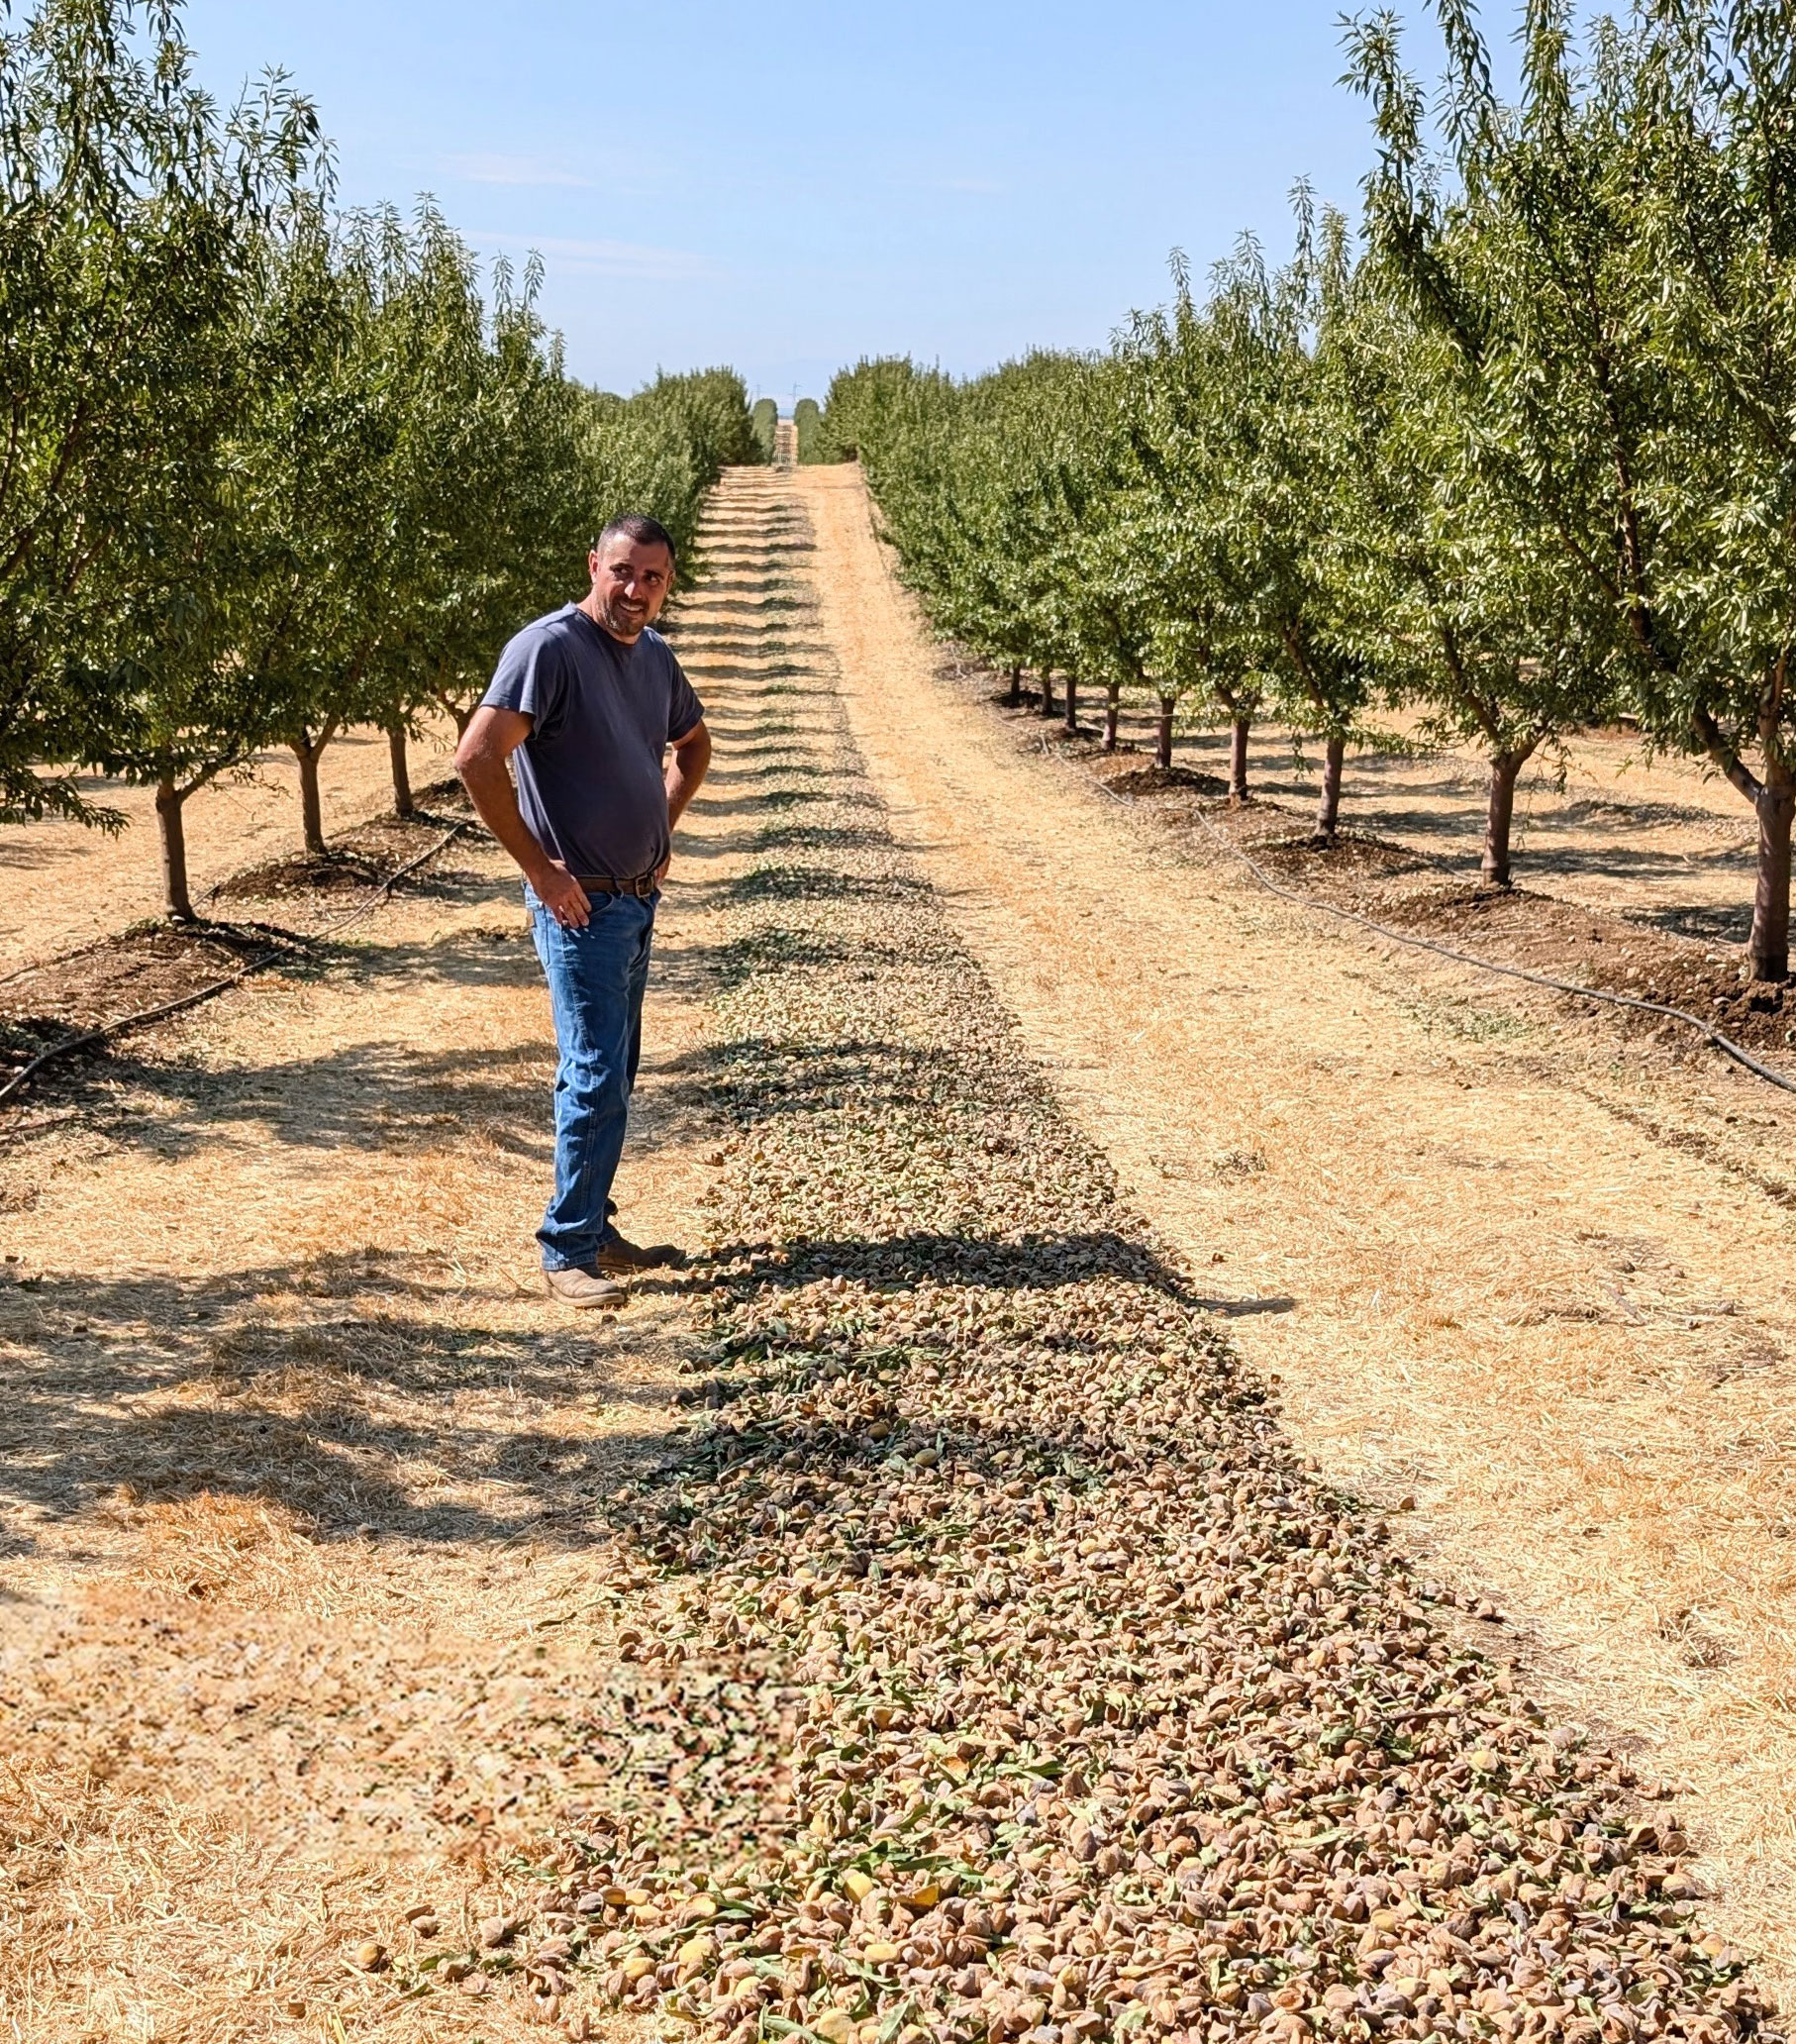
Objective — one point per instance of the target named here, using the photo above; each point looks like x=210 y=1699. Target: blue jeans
x=596 y=977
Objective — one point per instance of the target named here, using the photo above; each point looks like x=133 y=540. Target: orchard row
x=1514 y=452
x=271 y=469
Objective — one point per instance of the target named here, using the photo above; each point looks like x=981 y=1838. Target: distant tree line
x=269 y=470
x=1518 y=453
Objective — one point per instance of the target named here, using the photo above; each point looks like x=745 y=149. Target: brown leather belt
x=642 y=886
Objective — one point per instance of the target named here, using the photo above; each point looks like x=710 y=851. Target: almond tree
x=807 y=430
x=1245 y=435
x=1201 y=649
x=315 y=458
x=428 y=350
x=1104 y=592
x=499 y=498
x=170 y=696
x=127 y=236
x=764 y=420
x=1452 y=614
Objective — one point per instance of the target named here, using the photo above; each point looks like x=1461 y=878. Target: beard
x=619 y=621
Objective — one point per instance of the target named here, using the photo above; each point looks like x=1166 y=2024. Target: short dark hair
x=645 y=531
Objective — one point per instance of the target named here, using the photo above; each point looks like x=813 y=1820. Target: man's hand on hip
x=562 y=895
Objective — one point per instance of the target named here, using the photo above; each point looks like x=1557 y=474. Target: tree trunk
x=1014 y=701
x=311 y=809
x=1163 y=754
x=171 y=827
x=1073 y=707
x=1768 y=947
x=402 y=805
x=1113 y=703
x=1048 y=691
x=1238 y=759
x=1328 y=809
x=1504 y=768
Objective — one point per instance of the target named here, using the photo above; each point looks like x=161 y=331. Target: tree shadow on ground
x=899 y=1262
x=903 y=1263
x=381 y=1095
x=392 y=1385
x=1708 y=924
x=1649 y=816
x=756 y=802
x=708 y=668
x=778 y=1079
x=745 y=605
x=789 y=881
x=1618 y=860
x=810 y=838
x=694 y=969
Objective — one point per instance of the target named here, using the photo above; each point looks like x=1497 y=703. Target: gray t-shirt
x=589 y=775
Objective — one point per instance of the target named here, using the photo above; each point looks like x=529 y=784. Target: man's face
x=630 y=583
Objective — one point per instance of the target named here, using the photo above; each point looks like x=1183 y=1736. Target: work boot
x=583 y=1285
x=622 y=1258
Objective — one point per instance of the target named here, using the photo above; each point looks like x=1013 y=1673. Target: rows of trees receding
x=1517 y=453
x=271 y=469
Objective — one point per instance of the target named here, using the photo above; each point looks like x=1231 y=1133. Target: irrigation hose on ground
x=86 y=1038
x=1725 y=1044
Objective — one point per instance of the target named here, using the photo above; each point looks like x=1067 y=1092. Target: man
x=584 y=705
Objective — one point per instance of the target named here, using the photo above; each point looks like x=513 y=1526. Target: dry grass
x=1544 y=1292
x=303 y=1572
x=302 y=1481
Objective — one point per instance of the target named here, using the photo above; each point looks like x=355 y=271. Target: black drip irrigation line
x=86 y=1038
x=1724 y=1043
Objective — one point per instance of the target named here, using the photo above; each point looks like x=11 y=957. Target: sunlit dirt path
x=1496 y=1272
x=305 y=1573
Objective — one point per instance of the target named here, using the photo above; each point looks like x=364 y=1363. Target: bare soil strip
x=1002 y=1672
x=70 y=1007
x=1544 y=1291
x=1662 y=840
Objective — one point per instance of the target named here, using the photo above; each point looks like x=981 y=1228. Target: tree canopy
x=271 y=469
x=1514 y=452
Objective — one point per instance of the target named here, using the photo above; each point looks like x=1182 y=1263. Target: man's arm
x=685 y=771
x=491 y=737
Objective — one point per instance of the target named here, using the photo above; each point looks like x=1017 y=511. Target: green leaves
x=1607 y=269
x=268 y=470
x=126 y=245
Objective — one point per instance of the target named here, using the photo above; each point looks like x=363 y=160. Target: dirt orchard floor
x=302 y=1479
x=62 y=884
x=303 y=1484
x=1498 y=1266
x=1664 y=840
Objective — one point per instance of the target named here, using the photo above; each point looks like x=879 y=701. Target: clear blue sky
x=790 y=185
